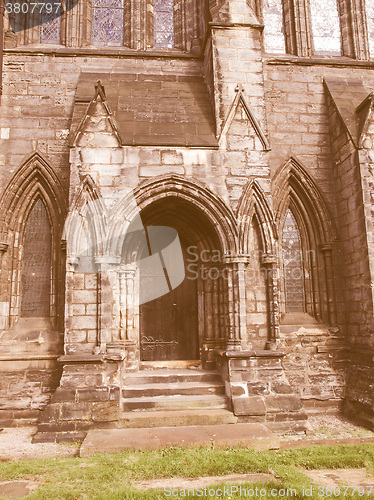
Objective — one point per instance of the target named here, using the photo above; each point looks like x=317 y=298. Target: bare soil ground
x=331 y=427
x=15 y=444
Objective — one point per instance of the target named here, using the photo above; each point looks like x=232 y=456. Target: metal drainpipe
x=2 y=8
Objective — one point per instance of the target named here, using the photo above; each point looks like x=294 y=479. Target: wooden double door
x=169 y=325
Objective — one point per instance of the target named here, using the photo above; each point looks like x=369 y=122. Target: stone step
x=250 y=435
x=159 y=376
x=172 y=389
x=176 y=402
x=176 y=418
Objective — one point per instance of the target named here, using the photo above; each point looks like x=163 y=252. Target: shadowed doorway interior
x=175 y=323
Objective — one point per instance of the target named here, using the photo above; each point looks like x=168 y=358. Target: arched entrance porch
x=181 y=301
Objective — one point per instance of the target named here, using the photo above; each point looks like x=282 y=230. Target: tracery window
x=369 y=7
x=325 y=27
x=108 y=22
x=50 y=23
x=137 y=24
x=274 y=29
x=163 y=23
x=293 y=265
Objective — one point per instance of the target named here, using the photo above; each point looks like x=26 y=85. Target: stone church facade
x=243 y=130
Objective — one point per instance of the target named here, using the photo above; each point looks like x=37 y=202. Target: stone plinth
x=259 y=390
x=88 y=396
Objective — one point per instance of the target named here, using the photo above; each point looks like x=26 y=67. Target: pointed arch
x=294 y=189
x=217 y=212
x=34 y=180
x=293 y=184
x=34 y=177
x=253 y=203
x=87 y=218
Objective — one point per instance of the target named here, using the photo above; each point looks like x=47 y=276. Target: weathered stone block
x=257 y=388
x=75 y=411
x=237 y=390
x=284 y=403
x=281 y=387
x=253 y=405
x=93 y=394
x=63 y=394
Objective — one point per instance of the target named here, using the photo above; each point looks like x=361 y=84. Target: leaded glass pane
x=36 y=269
x=273 y=31
x=293 y=265
x=50 y=22
x=160 y=5
x=107 y=22
x=116 y=4
x=163 y=23
x=325 y=27
x=370 y=22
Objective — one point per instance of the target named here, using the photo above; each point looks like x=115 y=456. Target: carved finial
x=99 y=87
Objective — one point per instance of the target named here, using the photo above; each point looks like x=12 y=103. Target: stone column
x=222 y=307
x=297 y=28
x=209 y=331
x=215 y=297
x=235 y=273
x=330 y=289
x=315 y=285
x=270 y=268
x=127 y=296
x=208 y=306
x=127 y=316
x=107 y=291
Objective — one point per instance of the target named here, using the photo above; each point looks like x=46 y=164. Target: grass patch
x=110 y=477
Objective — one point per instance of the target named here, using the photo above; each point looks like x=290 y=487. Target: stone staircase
x=174 y=397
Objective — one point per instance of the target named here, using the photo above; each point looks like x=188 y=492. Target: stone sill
x=123 y=52
x=89 y=358
x=222 y=25
x=261 y=353
x=318 y=61
x=29 y=357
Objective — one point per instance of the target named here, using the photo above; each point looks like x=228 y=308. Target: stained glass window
x=163 y=26
x=273 y=31
x=36 y=269
x=325 y=27
x=50 y=21
x=107 y=22
x=369 y=4
x=293 y=265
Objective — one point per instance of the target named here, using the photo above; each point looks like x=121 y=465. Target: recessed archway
x=186 y=321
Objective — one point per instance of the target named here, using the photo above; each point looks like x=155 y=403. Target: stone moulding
x=240 y=100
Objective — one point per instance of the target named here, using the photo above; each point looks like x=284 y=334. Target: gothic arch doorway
x=187 y=318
